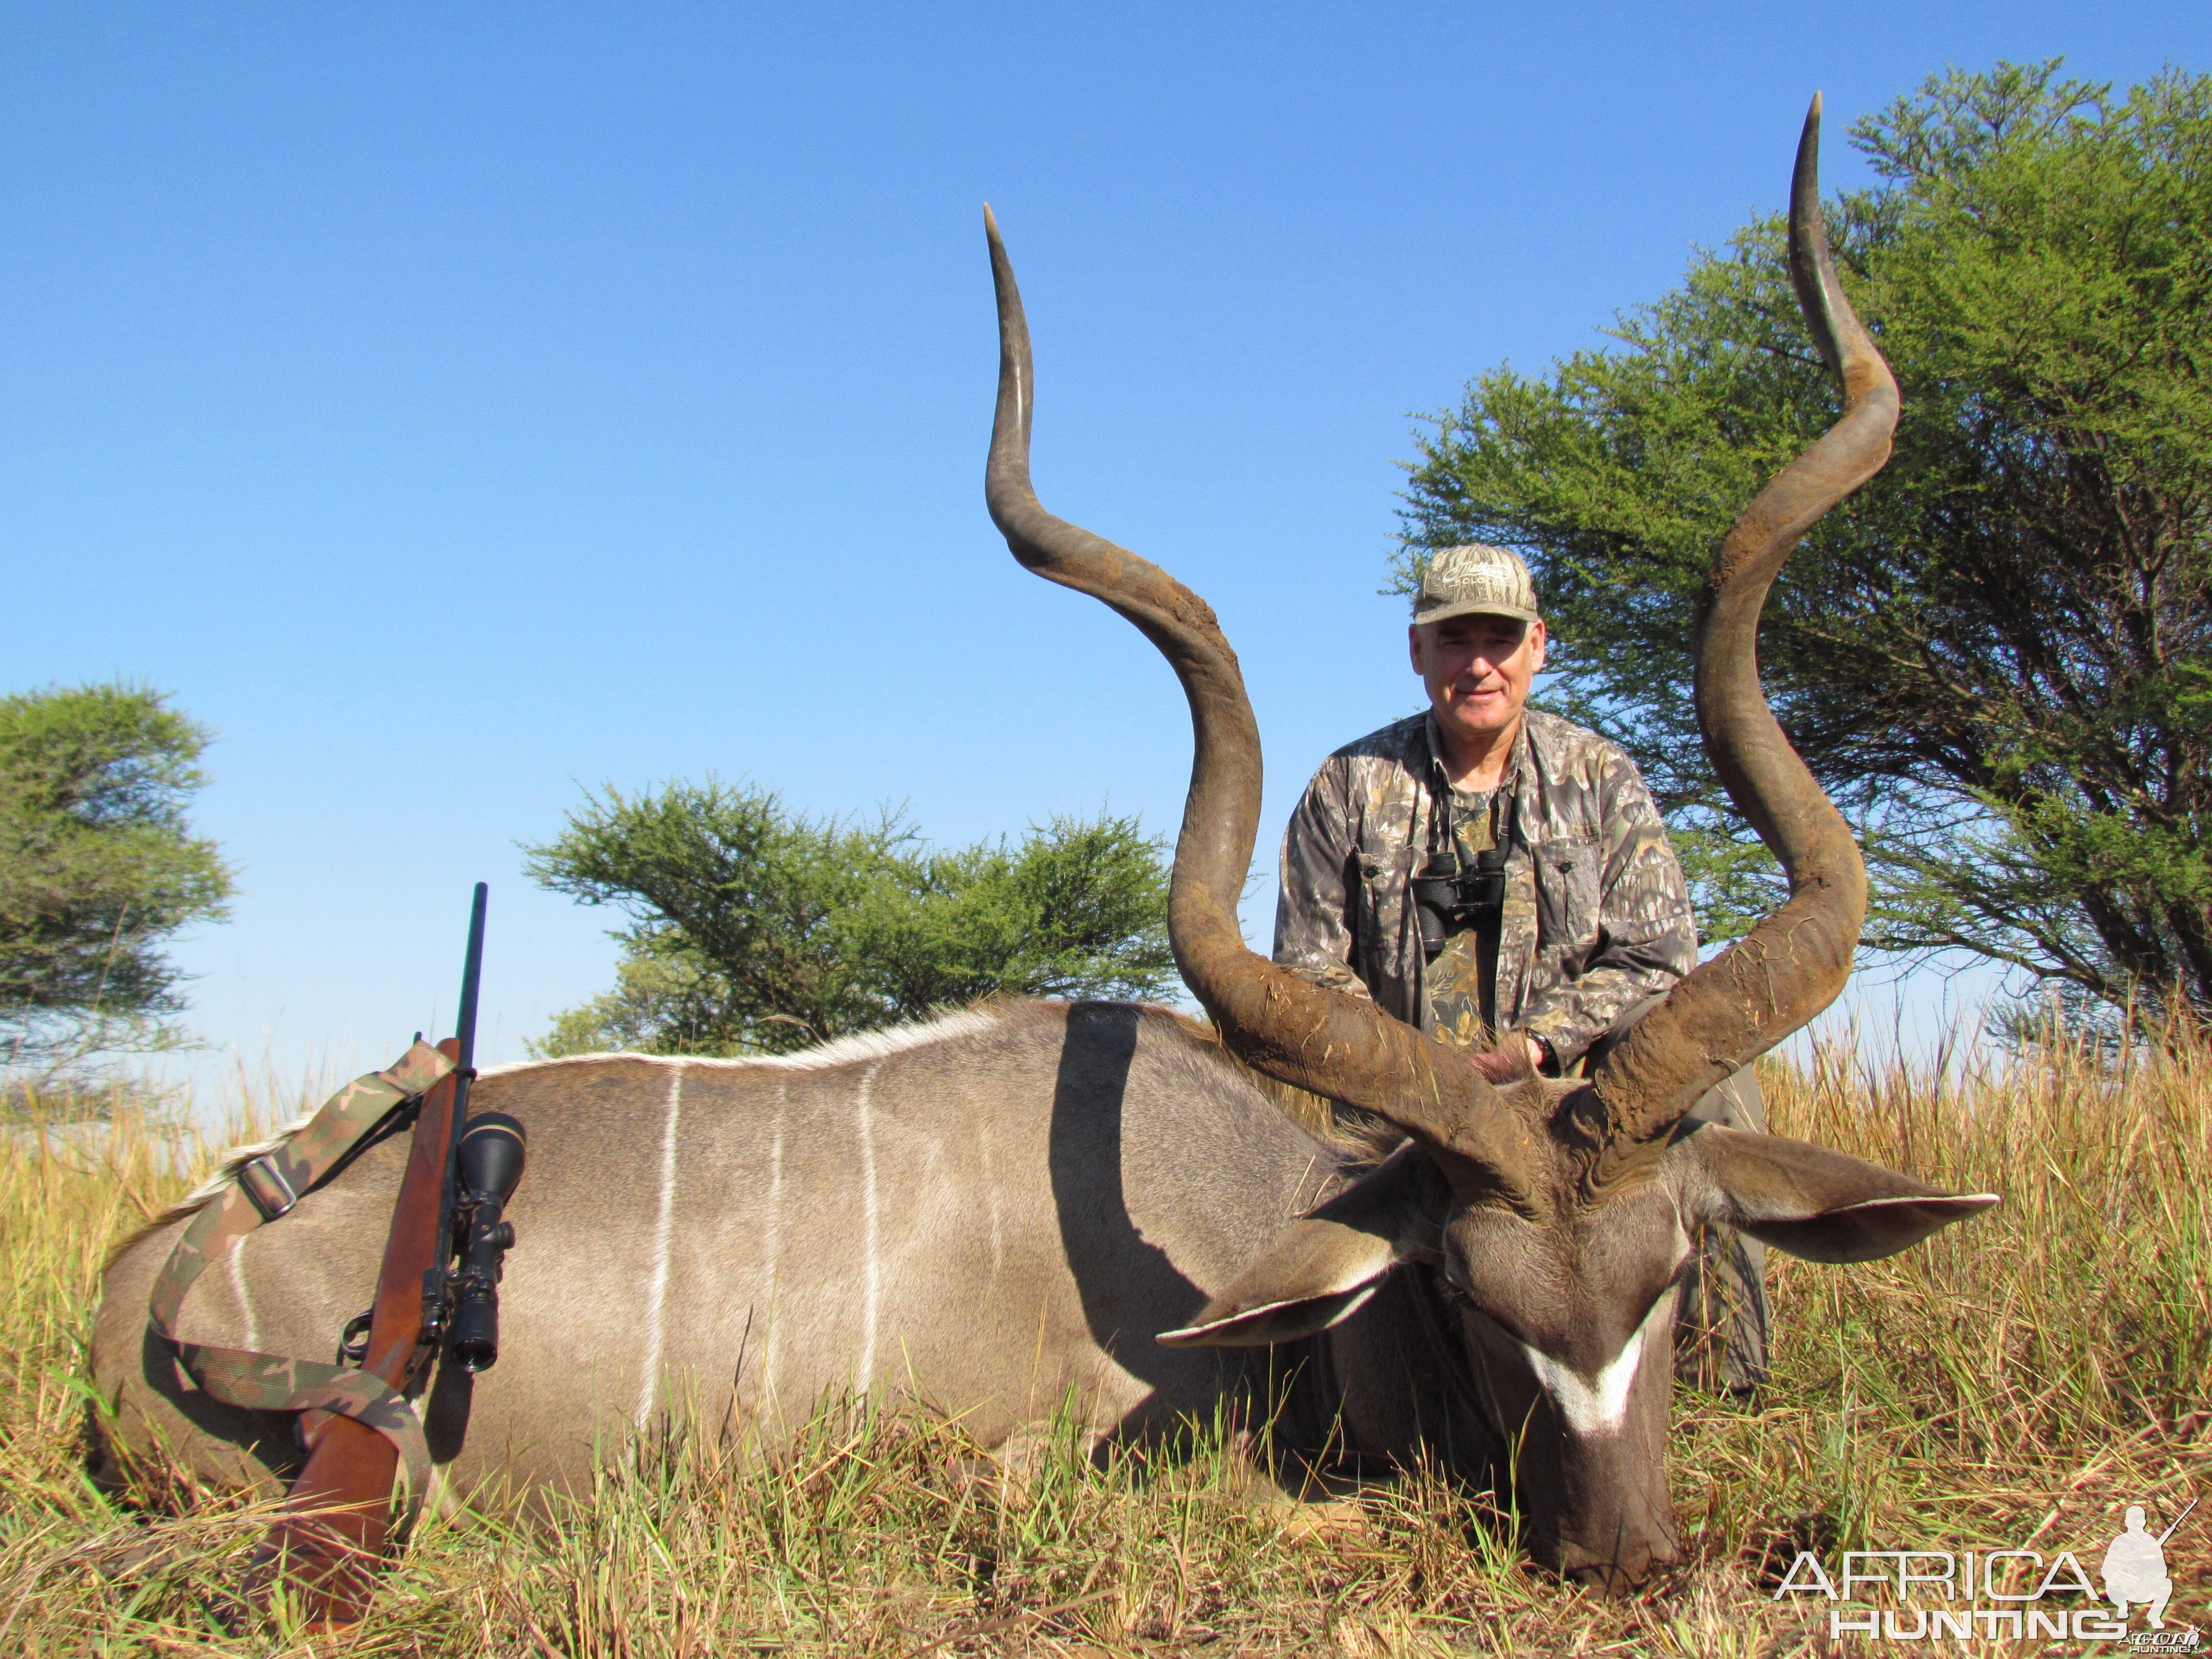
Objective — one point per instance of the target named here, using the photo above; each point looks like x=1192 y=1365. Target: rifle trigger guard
x=352 y=1340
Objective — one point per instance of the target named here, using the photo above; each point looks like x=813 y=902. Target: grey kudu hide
x=1029 y=1208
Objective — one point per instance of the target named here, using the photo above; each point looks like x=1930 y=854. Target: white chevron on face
x=1596 y=1404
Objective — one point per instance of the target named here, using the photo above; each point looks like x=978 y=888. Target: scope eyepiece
x=476 y=1335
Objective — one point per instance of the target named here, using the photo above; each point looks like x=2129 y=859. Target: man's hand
x=1504 y=1066
x=1495 y=1069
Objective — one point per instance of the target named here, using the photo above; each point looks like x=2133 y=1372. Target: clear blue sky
x=455 y=407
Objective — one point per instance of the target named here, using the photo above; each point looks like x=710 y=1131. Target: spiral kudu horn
x=1729 y=1010
x=1324 y=1040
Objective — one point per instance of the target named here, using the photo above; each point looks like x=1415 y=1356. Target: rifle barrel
x=465 y=1027
x=465 y=1072
x=2176 y=1526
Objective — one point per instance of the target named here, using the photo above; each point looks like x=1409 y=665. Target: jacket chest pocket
x=1384 y=874
x=1568 y=900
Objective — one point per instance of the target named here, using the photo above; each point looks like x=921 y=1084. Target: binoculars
x=1450 y=896
x=490 y=1160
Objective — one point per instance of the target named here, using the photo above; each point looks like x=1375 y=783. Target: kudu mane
x=853 y=1048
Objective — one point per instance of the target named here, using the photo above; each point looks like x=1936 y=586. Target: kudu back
x=1032 y=1209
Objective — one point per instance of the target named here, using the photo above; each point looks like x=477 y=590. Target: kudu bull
x=1025 y=1208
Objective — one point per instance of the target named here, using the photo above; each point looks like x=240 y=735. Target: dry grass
x=2024 y=1376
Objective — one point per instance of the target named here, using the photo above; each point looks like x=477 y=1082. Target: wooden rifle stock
x=326 y=1544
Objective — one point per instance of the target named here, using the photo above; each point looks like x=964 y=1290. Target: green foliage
x=758 y=930
x=97 y=868
x=1998 y=656
x=1734 y=879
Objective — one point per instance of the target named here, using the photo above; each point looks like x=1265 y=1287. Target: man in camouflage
x=1500 y=878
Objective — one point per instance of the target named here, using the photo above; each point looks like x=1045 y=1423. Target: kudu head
x=1561 y=1214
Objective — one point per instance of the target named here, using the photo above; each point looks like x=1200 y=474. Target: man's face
x=1478 y=670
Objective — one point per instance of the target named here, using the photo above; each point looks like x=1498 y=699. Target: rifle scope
x=490 y=1158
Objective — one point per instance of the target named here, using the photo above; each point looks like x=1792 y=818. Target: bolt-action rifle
x=460 y=1173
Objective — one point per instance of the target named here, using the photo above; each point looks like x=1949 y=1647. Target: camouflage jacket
x=1596 y=919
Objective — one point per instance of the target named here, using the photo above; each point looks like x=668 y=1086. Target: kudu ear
x=1821 y=1204
x=1324 y=1266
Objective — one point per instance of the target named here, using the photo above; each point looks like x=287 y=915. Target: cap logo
x=1482 y=582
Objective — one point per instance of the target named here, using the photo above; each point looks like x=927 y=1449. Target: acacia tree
x=754 y=929
x=1998 y=656
x=98 y=869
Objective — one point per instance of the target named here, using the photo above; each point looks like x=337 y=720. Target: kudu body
x=997 y=1213
x=1033 y=1207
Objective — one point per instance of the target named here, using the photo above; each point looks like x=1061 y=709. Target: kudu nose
x=1614 y=1573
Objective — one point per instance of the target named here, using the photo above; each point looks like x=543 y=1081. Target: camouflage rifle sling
x=263 y=1190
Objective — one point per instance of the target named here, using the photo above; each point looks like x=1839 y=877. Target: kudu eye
x=1461 y=1293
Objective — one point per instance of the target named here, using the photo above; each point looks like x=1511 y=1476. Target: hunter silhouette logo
x=2005 y=1591
x=2135 y=1567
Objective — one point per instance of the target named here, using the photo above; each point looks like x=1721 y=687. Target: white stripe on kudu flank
x=991 y=1188
x=244 y=1298
x=664 y=1235
x=772 y=1243
x=872 y=1283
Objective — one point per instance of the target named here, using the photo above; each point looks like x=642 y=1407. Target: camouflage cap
x=1475 y=580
